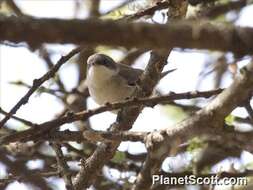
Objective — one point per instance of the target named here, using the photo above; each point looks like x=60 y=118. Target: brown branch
x=63 y=136
x=70 y=148
x=124 y=166
x=50 y=91
x=184 y=34
x=249 y=110
x=94 y=8
x=131 y=56
x=55 y=136
x=38 y=82
x=24 y=121
x=11 y=178
x=41 y=89
x=108 y=136
x=235 y=139
x=71 y=117
x=60 y=93
x=126 y=2
x=152 y=164
x=148 y=11
x=43 y=52
x=224 y=8
x=15 y=8
x=208 y=120
x=63 y=166
x=196 y=2
x=17 y=168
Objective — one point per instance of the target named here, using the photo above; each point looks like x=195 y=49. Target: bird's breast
x=104 y=86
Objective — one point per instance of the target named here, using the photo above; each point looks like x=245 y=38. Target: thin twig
x=44 y=53
x=249 y=110
x=24 y=121
x=38 y=82
x=50 y=91
x=148 y=11
x=117 y=7
x=42 y=50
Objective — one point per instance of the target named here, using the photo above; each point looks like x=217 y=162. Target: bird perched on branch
x=109 y=81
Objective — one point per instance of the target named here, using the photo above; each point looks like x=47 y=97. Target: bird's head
x=101 y=66
x=101 y=60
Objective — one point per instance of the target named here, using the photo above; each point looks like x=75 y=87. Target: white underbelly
x=108 y=93
x=106 y=89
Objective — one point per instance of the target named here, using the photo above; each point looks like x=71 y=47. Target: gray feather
x=128 y=73
x=132 y=74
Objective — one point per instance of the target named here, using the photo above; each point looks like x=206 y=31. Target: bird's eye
x=105 y=62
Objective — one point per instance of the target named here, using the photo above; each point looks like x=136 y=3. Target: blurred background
x=20 y=64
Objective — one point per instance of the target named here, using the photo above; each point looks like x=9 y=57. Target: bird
x=109 y=81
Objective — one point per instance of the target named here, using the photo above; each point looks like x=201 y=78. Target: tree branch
x=184 y=34
x=108 y=136
x=38 y=131
x=148 y=11
x=208 y=120
x=38 y=82
x=63 y=166
x=224 y=8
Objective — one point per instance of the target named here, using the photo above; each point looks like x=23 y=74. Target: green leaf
x=230 y=119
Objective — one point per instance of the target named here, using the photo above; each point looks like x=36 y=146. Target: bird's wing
x=129 y=73
x=132 y=74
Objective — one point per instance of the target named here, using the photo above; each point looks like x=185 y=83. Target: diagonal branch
x=148 y=11
x=24 y=121
x=38 y=82
x=208 y=120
